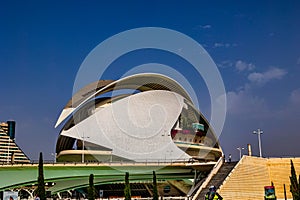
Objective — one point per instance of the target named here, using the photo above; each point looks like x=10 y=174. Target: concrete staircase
x=218 y=178
x=247 y=180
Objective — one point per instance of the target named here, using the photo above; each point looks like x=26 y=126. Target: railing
x=209 y=177
x=138 y=162
x=165 y=198
x=133 y=198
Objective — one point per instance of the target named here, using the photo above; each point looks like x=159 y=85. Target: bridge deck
x=75 y=175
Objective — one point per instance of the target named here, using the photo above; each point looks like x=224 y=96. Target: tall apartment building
x=10 y=152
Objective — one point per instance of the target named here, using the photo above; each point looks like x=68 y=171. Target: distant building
x=10 y=152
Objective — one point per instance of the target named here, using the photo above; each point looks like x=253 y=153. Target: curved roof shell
x=141 y=82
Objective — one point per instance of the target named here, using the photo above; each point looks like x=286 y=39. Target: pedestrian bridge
x=67 y=176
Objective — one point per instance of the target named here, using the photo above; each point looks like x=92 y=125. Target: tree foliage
x=40 y=191
x=295 y=184
x=91 y=188
x=127 y=192
x=155 y=193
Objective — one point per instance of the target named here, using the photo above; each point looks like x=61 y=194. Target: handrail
x=231 y=172
x=215 y=169
x=146 y=162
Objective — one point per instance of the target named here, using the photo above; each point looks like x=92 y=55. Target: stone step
x=218 y=178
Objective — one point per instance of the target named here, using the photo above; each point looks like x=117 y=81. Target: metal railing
x=121 y=162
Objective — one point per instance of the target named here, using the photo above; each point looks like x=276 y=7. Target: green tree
x=155 y=193
x=40 y=191
x=127 y=192
x=295 y=184
x=91 y=188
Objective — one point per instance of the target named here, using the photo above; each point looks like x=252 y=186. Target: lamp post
x=82 y=157
x=54 y=157
x=240 y=150
x=259 y=132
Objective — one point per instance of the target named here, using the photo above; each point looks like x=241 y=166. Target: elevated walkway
x=68 y=176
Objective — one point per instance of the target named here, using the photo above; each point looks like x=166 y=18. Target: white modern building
x=139 y=118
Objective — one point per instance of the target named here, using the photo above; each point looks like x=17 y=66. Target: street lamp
x=240 y=150
x=259 y=132
x=82 y=157
x=54 y=157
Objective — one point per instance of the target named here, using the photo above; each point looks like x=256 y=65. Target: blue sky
x=255 y=45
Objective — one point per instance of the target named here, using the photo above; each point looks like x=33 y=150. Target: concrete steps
x=218 y=178
x=247 y=180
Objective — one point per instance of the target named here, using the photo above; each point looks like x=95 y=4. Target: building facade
x=10 y=152
x=143 y=117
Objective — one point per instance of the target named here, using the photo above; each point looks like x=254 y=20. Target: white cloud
x=295 y=96
x=219 y=44
x=226 y=45
x=225 y=63
x=207 y=26
x=298 y=61
x=246 y=112
x=256 y=77
x=241 y=66
x=271 y=74
x=242 y=102
x=291 y=110
x=203 y=27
